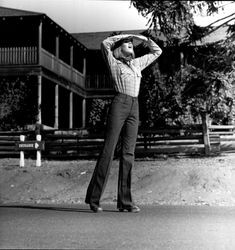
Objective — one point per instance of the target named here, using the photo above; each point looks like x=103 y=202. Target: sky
x=78 y=16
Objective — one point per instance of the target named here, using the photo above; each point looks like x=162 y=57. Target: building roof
x=6 y=12
x=10 y=13
x=93 y=40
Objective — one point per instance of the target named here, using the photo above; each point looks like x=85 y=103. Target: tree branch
x=219 y=26
x=209 y=25
x=221 y=6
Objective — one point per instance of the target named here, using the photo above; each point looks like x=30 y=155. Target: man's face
x=127 y=48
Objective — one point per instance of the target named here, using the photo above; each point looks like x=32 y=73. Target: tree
x=159 y=98
x=174 y=19
x=208 y=88
x=207 y=81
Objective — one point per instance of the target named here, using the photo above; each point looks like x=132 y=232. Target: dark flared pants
x=123 y=116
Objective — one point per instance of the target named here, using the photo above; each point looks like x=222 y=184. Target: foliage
x=207 y=92
x=209 y=83
x=17 y=103
x=202 y=86
x=175 y=18
x=205 y=85
x=98 y=114
x=166 y=16
x=160 y=93
x=160 y=100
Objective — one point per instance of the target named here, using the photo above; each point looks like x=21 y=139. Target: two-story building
x=32 y=45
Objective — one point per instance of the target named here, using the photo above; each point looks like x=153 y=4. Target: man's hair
x=121 y=41
x=117 y=50
x=118 y=54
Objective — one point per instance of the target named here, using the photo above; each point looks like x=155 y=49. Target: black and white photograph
x=117 y=124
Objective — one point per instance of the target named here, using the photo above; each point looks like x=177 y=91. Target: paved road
x=155 y=227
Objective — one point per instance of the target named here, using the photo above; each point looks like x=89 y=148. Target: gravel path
x=171 y=181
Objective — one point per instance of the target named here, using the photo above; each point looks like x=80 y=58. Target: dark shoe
x=96 y=209
x=133 y=209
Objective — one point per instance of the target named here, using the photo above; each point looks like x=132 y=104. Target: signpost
x=37 y=145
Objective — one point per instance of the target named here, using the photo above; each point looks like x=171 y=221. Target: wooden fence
x=150 y=143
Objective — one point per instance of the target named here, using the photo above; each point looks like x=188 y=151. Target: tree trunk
x=205 y=131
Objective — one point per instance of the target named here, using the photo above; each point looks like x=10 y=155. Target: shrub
x=98 y=114
x=18 y=106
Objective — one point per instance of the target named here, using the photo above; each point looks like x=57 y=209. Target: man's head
x=121 y=42
x=124 y=49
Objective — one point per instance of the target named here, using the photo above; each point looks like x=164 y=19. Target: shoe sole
x=96 y=210
x=129 y=210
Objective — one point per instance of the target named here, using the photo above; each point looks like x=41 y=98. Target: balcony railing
x=61 y=68
x=29 y=56
x=18 y=55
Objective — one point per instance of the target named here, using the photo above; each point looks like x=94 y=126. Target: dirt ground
x=172 y=181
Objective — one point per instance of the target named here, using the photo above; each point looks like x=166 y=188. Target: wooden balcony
x=61 y=68
x=20 y=56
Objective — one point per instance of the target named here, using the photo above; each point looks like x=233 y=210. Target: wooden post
x=71 y=56
x=84 y=66
x=205 y=131
x=38 y=160
x=71 y=63
x=145 y=142
x=56 y=125
x=71 y=110
x=40 y=43
x=57 y=53
x=84 y=113
x=22 y=138
x=39 y=99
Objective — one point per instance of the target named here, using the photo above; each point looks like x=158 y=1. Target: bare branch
x=218 y=20
x=221 y=6
x=219 y=26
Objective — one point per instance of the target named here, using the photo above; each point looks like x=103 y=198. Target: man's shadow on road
x=57 y=208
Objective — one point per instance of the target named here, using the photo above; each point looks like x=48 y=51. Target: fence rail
x=150 y=143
